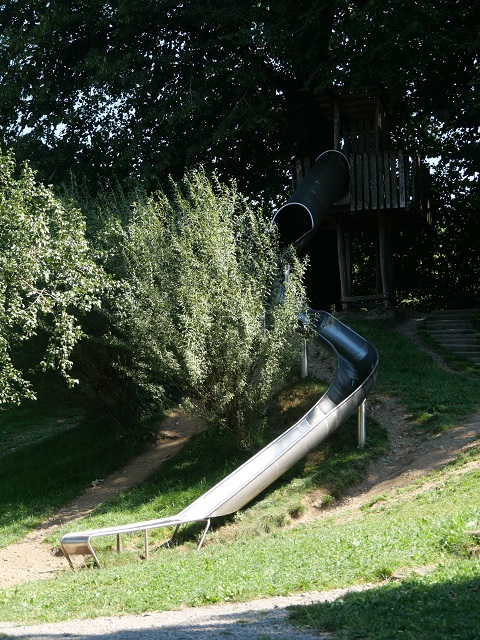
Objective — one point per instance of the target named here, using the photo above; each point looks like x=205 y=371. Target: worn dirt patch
x=411 y=455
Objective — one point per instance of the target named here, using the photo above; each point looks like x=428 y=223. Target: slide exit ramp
x=357 y=362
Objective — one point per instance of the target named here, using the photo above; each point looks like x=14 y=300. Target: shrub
x=48 y=279
x=206 y=306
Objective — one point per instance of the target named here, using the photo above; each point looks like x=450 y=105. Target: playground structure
x=357 y=362
x=389 y=187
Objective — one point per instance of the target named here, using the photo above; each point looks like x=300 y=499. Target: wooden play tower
x=389 y=188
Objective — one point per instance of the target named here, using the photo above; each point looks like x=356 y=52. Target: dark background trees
x=143 y=90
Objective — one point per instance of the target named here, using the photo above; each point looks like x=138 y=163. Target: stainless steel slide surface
x=356 y=370
x=357 y=362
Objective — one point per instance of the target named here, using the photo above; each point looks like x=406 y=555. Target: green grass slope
x=412 y=543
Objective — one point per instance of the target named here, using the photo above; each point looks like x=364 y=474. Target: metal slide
x=357 y=362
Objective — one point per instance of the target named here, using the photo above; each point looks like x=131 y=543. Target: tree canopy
x=146 y=89
x=141 y=90
x=48 y=279
x=205 y=305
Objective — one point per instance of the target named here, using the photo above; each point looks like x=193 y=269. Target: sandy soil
x=409 y=457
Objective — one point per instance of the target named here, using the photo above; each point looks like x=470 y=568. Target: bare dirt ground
x=409 y=457
x=32 y=559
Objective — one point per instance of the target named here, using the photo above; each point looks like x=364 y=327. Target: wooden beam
x=385 y=259
x=342 y=263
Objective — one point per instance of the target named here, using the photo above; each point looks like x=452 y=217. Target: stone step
x=439 y=333
x=469 y=356
x=463 y=348
x=450 y=321
x=467 y=338
x=455 y=338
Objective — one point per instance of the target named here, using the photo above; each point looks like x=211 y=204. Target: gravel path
x=257 y=620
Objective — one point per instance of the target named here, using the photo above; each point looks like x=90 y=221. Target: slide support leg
x=304 y=361
x=362 y=424
x=204 y=534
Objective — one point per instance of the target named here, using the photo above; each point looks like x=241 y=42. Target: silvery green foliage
x=207 y=307
x=47 y=276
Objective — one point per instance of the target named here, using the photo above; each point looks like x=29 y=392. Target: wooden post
x=385 y=259
x=345 y=291
x=348 y=257
x=336 y=126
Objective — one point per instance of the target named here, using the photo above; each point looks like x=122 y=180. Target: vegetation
x=140 y=91
x=121 y=89
x=181 y=289
x=48 y=280
x=197 y=302
x=411 y=544
x=49 y=453
x=443 y=603
x=209 y=304
x=434 y=404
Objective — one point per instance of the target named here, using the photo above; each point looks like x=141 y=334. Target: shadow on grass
x=38 y=478
x=415 y=609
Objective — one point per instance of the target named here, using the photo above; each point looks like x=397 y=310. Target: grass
x=51 y=451
x=208 y=458
x=409 y=531
x=443 y=604
x=417 y=533
x=435 y=399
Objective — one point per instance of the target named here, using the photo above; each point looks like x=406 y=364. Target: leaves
x=47 y=277
x=202 y=309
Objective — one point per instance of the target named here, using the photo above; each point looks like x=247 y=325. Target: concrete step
x=469 y=356
x=457 y=340
x=463 y=348
x=454 y=330
x=455 y=313
x=449 y=319
x=440 y=333
x=466 y=338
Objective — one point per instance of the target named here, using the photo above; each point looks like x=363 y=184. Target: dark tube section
x=325 y=183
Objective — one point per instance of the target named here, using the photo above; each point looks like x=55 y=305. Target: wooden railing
x=391 y=180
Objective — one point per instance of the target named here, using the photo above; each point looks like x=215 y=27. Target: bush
x=206 y=306
x=48 y=279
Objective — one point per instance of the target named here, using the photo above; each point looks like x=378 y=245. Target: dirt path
x=409 y=457
x=32 y=559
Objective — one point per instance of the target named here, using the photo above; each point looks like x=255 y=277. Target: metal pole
x=362 y=424
x=204 y=534
x=304 y=361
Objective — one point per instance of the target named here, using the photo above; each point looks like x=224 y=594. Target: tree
x=144 y=90
x=205 y=306
x=148 y=89
x=48 y=279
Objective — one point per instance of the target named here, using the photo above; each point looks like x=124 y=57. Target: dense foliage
x=48 y=279
x=144 y=90
x=205 y=305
